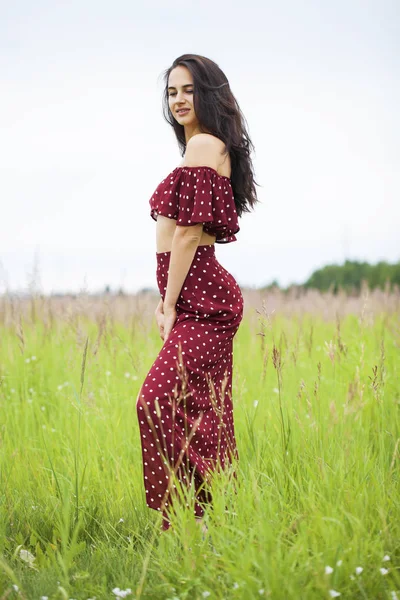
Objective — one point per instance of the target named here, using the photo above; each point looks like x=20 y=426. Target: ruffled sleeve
x=205 y=196
x=193 y=195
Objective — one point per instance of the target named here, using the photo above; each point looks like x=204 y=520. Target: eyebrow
x=171 y=87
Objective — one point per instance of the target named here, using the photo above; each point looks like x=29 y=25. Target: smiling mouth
x=183 y=111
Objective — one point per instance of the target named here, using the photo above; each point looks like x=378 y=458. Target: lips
x=183 y=111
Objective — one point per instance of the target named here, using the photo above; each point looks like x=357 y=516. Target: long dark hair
x=219 y=114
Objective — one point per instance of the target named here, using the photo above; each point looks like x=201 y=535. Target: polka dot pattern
x=190 y=383
x=193 y=195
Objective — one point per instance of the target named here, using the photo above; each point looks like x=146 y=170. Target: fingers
x=167 y=331
x=168 y=325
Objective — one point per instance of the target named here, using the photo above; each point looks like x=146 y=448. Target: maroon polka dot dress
x=184 y=406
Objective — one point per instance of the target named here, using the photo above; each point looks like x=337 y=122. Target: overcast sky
x=83 y=143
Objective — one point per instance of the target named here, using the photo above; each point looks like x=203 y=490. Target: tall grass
x=317 y=421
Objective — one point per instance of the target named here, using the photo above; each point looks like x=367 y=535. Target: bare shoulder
x=204 y=149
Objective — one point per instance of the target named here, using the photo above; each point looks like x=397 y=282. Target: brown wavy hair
x=218 y=113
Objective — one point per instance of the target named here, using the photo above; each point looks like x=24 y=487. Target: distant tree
x=351 y=274
x=269 y=286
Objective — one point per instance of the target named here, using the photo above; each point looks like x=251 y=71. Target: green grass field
x=316 y=509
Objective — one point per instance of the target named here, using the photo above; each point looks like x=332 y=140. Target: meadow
x=315 y=509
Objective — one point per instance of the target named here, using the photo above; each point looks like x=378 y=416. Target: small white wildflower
x=255 y=403
x=276 y=390
x=29 y=400
x=384 y=571
x=44 y=598
x=386 y=558
x=121 y=520
x=261 y=591
x=31 y=390
x=359 y=570
x=53 y=430
x=206 y=594
x=127 y=375
x=393 y=595
x=33 y=357
x=34 y=507
x=334 y=593
x=26 y=556
x=235 y=586
x=122 y=593
x=339 y=562
x=43 y=408
x=134 y=377
x=60 y=387
x=328 y=570
x=12 y=391
x=352 y=577
x=43 y=426
x=108 y=373
x=27 y=360
x=16 y=588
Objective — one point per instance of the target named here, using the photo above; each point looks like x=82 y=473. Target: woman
x=184 y=406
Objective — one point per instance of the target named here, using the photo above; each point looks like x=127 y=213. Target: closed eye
x=174 y=93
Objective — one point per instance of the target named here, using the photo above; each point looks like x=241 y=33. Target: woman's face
x=180 y=96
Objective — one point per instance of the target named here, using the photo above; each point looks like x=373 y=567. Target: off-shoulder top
x=193 y=195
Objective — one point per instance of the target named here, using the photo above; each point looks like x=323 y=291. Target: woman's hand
x=169 y=320
x=160 y=318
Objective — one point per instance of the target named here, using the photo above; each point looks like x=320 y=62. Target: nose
x=179 y=97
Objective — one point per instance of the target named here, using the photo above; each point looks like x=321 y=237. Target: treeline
x=351 y=275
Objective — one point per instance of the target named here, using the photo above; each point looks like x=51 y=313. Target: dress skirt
x=184 y=406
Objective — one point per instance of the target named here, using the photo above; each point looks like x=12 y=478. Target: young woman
x=184 y=406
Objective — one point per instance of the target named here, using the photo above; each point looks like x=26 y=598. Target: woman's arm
x=159 y=308
x=203 y=150
x=183 y=249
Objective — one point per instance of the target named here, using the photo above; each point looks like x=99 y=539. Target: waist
x=165 y=230
x=201 y=250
